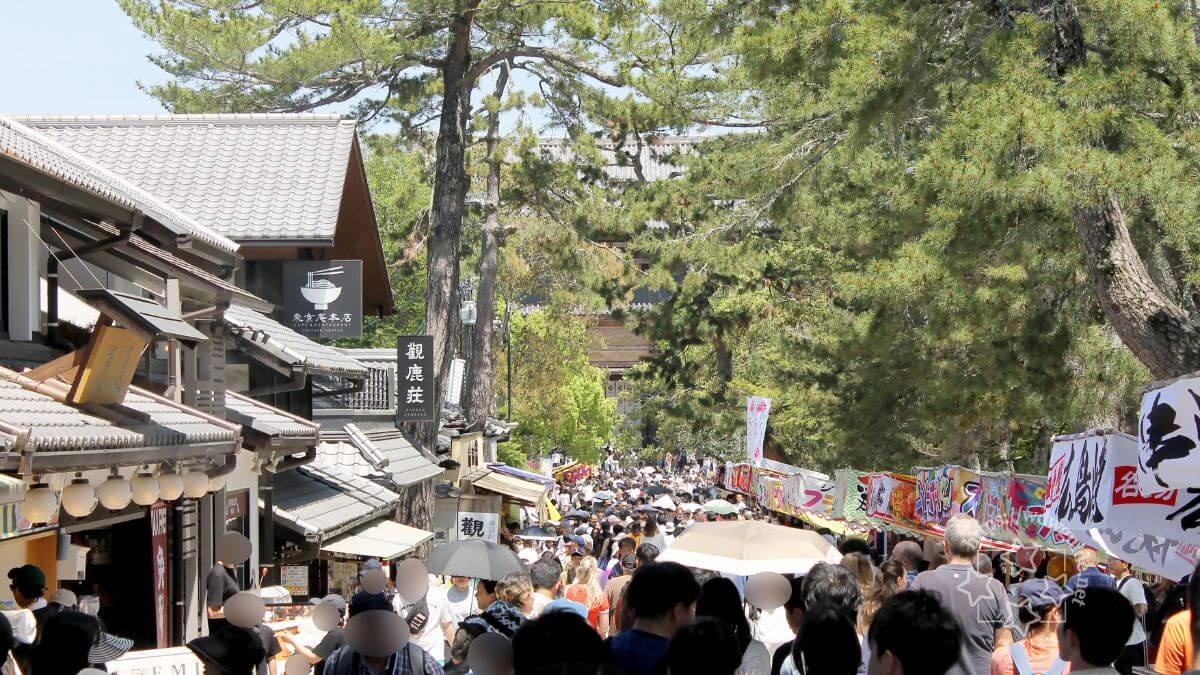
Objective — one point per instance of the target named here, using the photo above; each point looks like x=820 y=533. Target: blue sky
x=79 y=57
x=66 y=57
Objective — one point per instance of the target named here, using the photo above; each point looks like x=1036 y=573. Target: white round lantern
x=144 y=487
x=79 y=498
x=170 y=486
x=115 y=493
x=217 y=482
x=40 y=503
x=195 y=484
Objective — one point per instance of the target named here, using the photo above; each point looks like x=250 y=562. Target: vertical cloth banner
x=935 y=487
x=850 y=495
x=892 y=498
x=757 y=409
x=994 y=505
x=1027 y=505
x=158 y=562
x=1168 y=433
x=1171 y=514
x=1079 y=485
x=803 y=493
x=966 y=492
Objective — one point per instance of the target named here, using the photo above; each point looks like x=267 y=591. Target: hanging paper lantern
x=79 y=498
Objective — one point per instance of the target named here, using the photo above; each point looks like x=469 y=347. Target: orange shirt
x=578 y=593
x=1175 y=650
x=1041 y=655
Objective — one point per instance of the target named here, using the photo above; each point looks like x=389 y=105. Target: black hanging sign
x=323 y=298
x=416 y=389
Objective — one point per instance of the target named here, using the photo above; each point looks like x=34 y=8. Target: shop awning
x=383 y=539
x=322 y=502
x=520 y=489
x=265 y=427
x=394 y=452
x=144 y=428
x=285 y=350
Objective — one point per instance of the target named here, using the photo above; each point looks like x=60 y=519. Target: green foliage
x=558 y=398
x=400 y=184
x=900 y=269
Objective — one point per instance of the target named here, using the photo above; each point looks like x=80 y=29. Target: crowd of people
x=594 y=598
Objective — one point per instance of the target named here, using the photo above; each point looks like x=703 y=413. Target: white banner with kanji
x=757 y=409
x=1079 y=486
x=804 y=492
x=474 y=525
x=1168 y=433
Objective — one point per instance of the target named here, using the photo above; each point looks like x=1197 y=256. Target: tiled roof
x=292 y=347
x=143 y=420
x=321 y=502
x=247 y=176
x=42 y=153
x=224 y=288
x=269 y=421
x=402 y=456
x=344 y=457
x=657 y=159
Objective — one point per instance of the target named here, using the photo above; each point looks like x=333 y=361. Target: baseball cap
x=333 y=600
x=28 y=575
x=528 y=556
x=1040 y=593
x=363 y=601
x=564 y=605
x=370 y=564
x=576 y=539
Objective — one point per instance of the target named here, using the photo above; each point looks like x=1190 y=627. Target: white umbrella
x=648 y=470
x=664 y=502
x=747 y=547
x=719 y=506
x=690 y=507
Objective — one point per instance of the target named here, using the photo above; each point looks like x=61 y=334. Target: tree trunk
x=1158 y=332
x=445 y=231
x=481 y=378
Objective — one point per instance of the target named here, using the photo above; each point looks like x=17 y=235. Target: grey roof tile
x=269 y=421
x=322 y=502
x=247 y=176
x=41 y=152
x=298 y=350
x=405 y=461
x=142 y=420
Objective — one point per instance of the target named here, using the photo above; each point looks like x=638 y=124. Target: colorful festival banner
x=966 y=492
x=1168 y=433
x=809 y=494
x=994 y=505
x=935 y=489
x=892 y=498
x=1079 y=486
x=1025 y=523
x=850 y=495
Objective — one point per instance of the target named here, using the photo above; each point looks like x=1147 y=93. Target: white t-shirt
x=431 y=638
x=459 y=605
x=1135 y=593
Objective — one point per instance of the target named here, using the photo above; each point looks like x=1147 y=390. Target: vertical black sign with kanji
x=416 y=385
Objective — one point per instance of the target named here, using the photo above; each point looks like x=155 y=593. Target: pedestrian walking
x=1096 y=625
x=663 y=598
x=719 y=599
x=913 y=634
x=1038 y=612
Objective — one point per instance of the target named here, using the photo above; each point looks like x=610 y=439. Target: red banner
x=158 y=562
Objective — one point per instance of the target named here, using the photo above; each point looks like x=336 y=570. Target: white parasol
x=747 y=547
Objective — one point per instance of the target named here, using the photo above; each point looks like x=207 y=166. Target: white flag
x=757 y=409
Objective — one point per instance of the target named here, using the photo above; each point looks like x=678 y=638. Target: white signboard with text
x=1168 y=433
x=474 y=525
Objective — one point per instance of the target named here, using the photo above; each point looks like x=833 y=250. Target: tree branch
x=546 y=54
